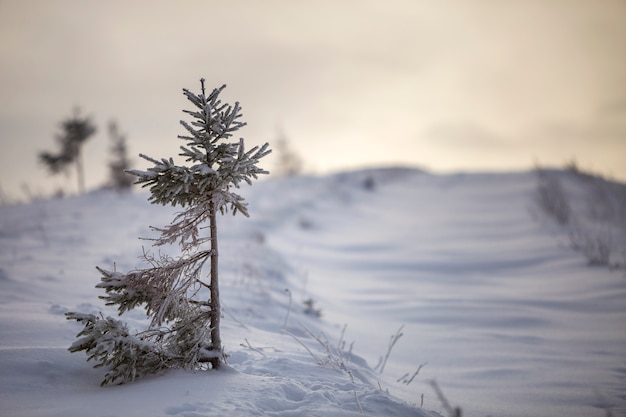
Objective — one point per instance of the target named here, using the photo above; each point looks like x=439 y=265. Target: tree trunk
x=216 y=341
x=80 y=174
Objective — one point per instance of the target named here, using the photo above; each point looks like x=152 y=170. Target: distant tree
x=119 y=179
x=184 y=307
x=74 y=133
x=289 y=162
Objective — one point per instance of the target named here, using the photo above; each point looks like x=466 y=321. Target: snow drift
x=491 y=301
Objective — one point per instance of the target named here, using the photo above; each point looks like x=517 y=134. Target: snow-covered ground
x=487 y=294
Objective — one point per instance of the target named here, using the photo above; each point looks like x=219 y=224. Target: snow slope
x=506 y=318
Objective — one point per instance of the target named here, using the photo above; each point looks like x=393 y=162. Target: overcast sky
x=444 y=85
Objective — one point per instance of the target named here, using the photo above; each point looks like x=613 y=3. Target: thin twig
x=249 y=346
x=317 y=358
x=452 y=412
x=409 y=380
x=228 y=311
x=358 y=403
x=392 y=342
x=288 y=308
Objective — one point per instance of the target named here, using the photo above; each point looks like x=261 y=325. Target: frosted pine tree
x=183 y=304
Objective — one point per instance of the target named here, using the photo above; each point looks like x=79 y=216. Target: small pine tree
x=75 y=132
x=119 y=179
x=184 y=307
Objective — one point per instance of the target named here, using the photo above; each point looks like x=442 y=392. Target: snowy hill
x=489 y=297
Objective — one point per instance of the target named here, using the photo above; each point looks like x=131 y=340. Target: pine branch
x=162 y=290
x=184 y=230
x=108 y=342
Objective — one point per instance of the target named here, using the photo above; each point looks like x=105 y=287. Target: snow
x=146 y=174
x=505 y=316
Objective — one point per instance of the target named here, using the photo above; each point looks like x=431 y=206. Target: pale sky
x=444 y=85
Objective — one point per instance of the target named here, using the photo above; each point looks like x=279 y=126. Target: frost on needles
x=182 y=303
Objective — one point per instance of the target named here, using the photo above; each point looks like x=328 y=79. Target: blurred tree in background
x=74 y=133
x=289 y=163
x=118 y=178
